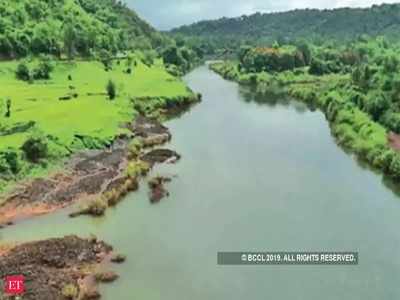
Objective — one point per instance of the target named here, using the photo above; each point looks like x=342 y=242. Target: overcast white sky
x=165 y=14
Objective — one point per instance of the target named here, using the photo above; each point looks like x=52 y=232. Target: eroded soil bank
x=91 y=174
x=61 y=268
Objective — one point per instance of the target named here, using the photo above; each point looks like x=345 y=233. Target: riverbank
x=91 y=182
x=59 y=268
x=97 y=179
x=354 y=129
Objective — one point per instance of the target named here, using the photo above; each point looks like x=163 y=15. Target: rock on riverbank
x=56 y=267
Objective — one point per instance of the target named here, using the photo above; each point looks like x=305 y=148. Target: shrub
x=394 y=167
x=8 y=108
x=384 y=160
x=35 y=148
x=9 y=162
x=137 y=168
x=97 y=207
x=115 y=195
x=70 y=291
x=22 y=71
x=111 y=89
x=43 y=69
x=134 y=148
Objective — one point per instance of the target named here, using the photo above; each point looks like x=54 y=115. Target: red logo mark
x=14 y=285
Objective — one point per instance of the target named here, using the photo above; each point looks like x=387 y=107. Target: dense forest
x=71 y=27
x=310 y=24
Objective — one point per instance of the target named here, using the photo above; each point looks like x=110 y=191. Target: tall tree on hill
x=69 y=40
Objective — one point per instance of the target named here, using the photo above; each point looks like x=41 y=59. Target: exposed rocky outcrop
x=160 y=156
x=157 y=188
x=49 y=266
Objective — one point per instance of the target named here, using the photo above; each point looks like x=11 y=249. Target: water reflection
x=272 y=98
x=278 y=97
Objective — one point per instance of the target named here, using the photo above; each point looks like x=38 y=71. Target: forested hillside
x=310 y=24
x=71 y=27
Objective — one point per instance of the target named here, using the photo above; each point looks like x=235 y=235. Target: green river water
x=254 y=176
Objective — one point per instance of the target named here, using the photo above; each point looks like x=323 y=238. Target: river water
x=255 y=175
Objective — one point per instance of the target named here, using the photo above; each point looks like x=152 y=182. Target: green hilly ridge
x=79 y=26
x=343 y=23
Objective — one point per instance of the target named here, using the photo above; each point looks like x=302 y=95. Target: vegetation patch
x=356 y=86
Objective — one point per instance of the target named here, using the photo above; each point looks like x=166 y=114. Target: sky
x=167 y=14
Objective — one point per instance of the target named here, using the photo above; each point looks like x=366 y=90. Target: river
x=254 y=175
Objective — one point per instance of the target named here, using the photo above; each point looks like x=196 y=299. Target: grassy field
x=89 y=114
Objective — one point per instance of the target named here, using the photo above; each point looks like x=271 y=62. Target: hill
x=71 y=27
x=343 y=23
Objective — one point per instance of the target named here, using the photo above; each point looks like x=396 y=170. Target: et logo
x=14 y=285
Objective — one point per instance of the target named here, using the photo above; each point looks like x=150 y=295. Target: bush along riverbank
x=360 y=102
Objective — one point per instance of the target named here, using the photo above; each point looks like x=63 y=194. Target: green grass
x=91 y=115
x=94 y=116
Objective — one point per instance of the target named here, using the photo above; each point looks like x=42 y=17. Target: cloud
x=165 y=14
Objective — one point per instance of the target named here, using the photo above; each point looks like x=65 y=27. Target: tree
x=172 y=55
x=305 y=50
x=376 y=104
x=42 y=39
x=111 y=89
x=69 y=40
x=5 y=45
x=106 y=59
x=362 y=76
x=243 y=52
x=149 y=57
x=317 y=67
x=391 y=64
